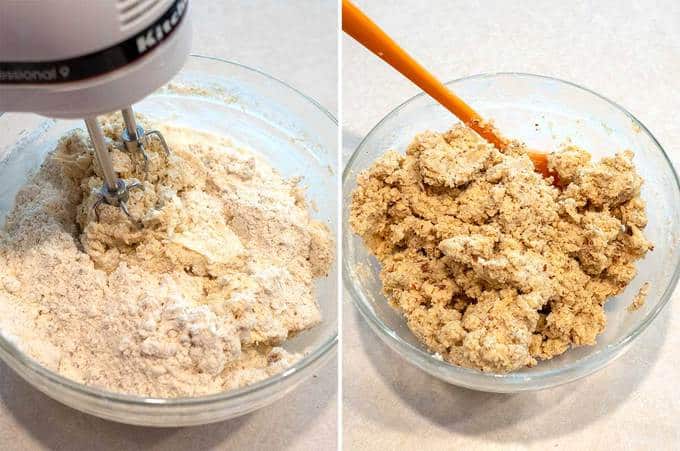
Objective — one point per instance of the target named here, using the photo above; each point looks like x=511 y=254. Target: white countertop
x=296 y=42
x=626 y=51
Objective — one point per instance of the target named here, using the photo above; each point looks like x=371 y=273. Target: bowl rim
x=234 y=395
x=511 y=381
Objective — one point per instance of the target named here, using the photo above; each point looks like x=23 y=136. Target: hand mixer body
x=83 y=58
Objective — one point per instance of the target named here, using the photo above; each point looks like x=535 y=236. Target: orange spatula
x=356 y=24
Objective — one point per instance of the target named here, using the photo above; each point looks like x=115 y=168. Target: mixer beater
x=116 y=191
x=134 y=136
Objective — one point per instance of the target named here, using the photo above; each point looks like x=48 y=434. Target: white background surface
x=296 y=42
x=629 y=51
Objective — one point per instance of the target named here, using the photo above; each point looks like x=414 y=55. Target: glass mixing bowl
x=543 y=112
x=294 y=133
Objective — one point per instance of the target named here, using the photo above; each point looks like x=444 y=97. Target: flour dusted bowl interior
x=293 y=134
x=544 y=113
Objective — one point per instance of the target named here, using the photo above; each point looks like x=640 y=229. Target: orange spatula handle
x=356 y=24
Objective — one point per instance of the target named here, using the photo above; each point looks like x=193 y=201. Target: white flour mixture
x=196 y=301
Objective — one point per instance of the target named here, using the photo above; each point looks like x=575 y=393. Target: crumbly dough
x=640 y=298
x=493 y=267
x=196 y=301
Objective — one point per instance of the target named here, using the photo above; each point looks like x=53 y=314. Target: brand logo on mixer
x=156 y=33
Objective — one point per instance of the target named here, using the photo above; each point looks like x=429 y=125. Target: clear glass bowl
x=543 y=112
x=295 y=134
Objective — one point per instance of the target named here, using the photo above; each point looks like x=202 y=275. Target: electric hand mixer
x=83 y=58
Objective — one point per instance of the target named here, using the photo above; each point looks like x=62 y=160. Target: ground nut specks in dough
x=492 y=266
x=196 y=301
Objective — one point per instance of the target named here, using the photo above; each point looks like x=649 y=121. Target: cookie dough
x=491 y=265
x=640 y=298
x=197 y=299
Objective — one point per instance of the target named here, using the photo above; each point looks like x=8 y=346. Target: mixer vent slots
x=131 y=12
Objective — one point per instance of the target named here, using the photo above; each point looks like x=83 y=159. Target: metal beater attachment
x=118 y=197
x=115 y=191
x=134 y=137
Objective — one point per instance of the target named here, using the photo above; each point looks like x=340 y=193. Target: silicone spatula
x=359 y=26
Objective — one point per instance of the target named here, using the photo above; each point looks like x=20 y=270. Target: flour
x=197 y=301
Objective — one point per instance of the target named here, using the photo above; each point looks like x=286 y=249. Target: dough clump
x=196 y=300
x=492 y=266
